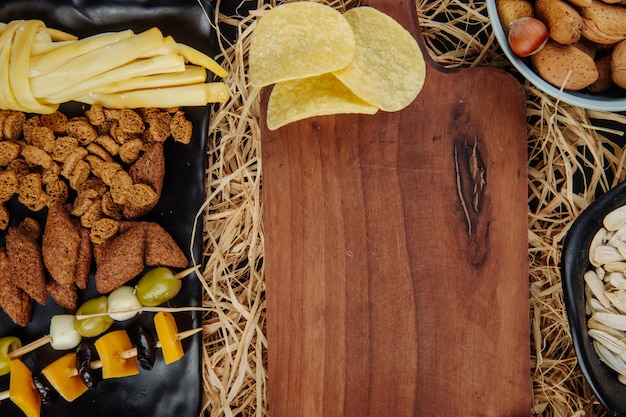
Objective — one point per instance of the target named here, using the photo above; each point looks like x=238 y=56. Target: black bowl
x=574 y=263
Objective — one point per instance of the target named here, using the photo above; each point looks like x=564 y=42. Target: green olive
x=157 y=286
x=93 y=326
x=7 y=345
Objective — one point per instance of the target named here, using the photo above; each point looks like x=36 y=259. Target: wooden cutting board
x=396 y=253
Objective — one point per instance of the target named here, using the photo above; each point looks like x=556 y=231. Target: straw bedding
x=567 y=147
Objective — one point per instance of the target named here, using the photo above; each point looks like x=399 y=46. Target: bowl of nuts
x=593 y=266
x=573 y=50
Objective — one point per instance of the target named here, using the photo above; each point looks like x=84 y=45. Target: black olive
x=85 y=354
x=46 y=392
x=146 y=349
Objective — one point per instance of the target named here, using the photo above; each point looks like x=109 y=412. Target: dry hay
x=567 y=148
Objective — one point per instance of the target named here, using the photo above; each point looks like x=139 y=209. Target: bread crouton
x=181 y=128
x=27 y=270
x=14 y=301
x=65 y=295
x=41 y=137
x=31 y=192
x=36 y=156
x=63 y=148
x=8 y=185
x=60 y=245
x=83 y=263
x=9 y=151
x=162 y=249
x=81 y=129
x=56 y=122
x=140 y=199
x=131 y=122
x=120 y=260
x=13 y=124
x=5 y=216
x=31 y=226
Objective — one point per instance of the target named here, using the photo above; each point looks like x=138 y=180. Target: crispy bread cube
x=41 y=137
x=150 y=168
x=63 y=148
x=36 y=156
x=56 y=122
x=13 y=124
x=81 y=129
x=131 y=122
x=5 y=216
x=9 y=151
x=8 y=185
x=141 y=198
x=181 y=128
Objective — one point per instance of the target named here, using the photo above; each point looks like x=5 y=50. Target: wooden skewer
x=30 y=347
x=185 y=272
x=127 y=354
x=140 y=309
x=47 y=338
x=132 y=352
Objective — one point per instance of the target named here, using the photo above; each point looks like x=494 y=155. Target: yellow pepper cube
x=22 y=390
x=111 y=348
x=63 y=376
x=167 y=332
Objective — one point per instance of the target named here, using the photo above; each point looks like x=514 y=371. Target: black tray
x=574 y=263
x=165 y=391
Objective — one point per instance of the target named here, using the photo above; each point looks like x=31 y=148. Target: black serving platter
x=165 y=391
x=574 y=263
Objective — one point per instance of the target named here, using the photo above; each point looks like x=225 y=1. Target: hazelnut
x=527 y=36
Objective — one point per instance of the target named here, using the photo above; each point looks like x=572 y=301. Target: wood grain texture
x=396 y=254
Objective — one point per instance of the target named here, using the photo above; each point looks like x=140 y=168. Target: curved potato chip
x=388 y=70
x=298 y=40
x=313 y=96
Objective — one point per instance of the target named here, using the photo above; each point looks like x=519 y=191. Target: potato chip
x=388 y=70
x=313 y=96
x=298 y=40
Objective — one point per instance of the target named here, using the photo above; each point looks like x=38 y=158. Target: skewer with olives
x=73 y=374
x=95 y=316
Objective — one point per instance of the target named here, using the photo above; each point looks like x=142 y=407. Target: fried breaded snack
x=25 y=259
x=83 y=263
x=120 y=260
x=14 y=301
x=65 y=296
x=162 y=249
x=61 y=245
